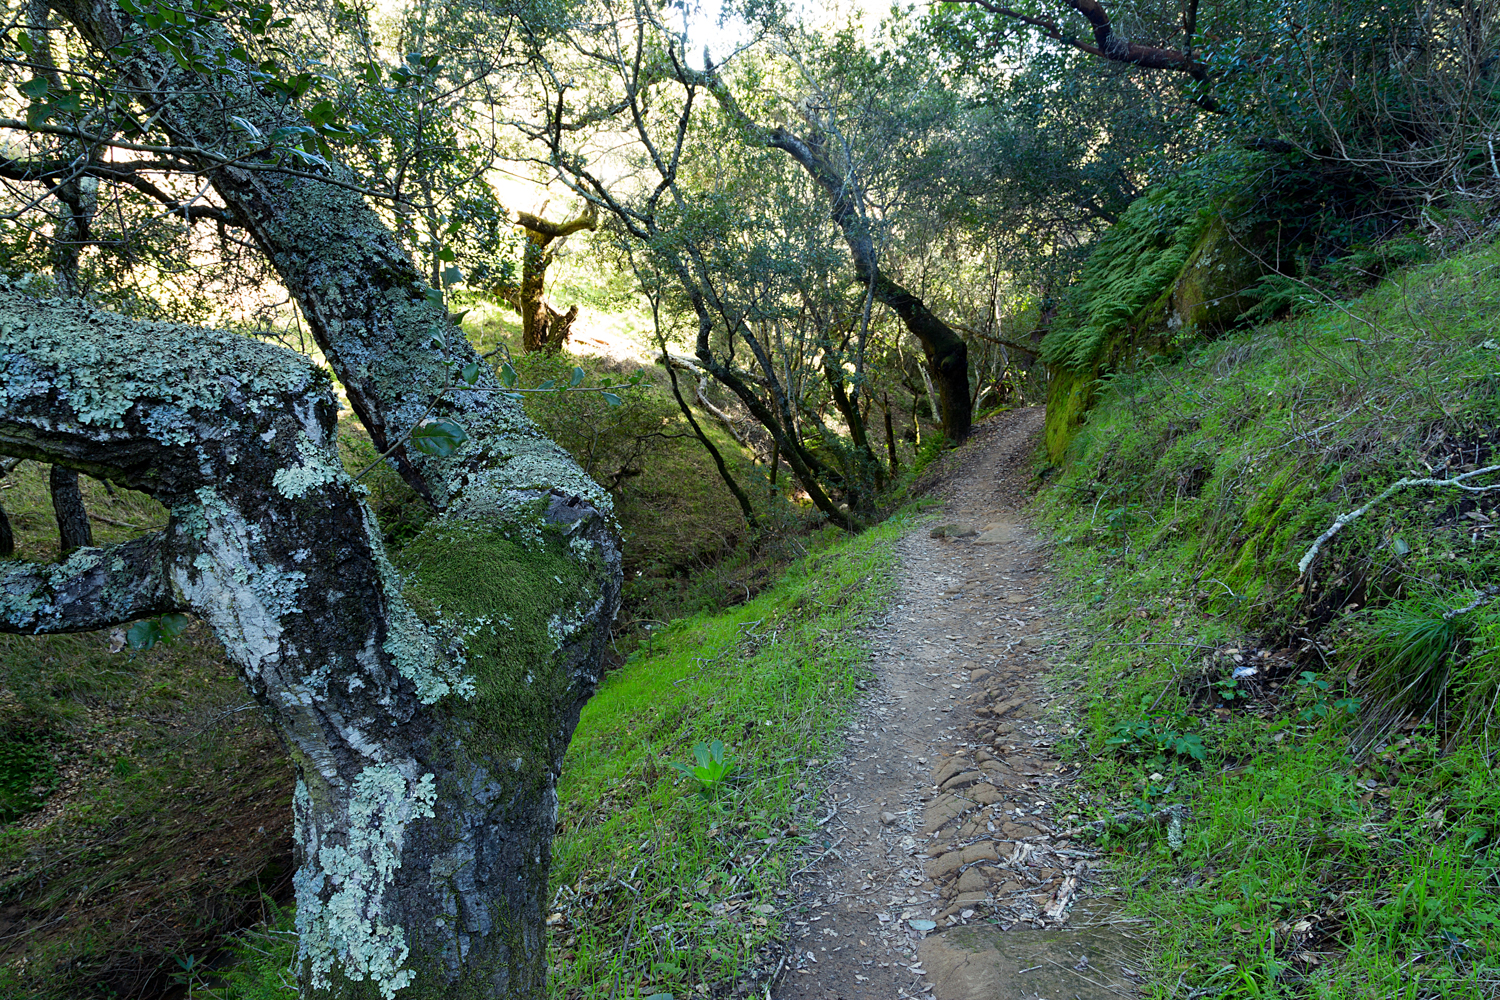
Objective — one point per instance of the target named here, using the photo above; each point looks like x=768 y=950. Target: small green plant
x=711 y=770
x=165 y=630
x=1229 y=689
x=1318 y=690
x=1151 y=736
x=187 y=970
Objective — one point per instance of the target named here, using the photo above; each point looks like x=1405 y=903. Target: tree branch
x=95 y=588
x=1400 y=484
x=1014 y=345
x=1109 y=44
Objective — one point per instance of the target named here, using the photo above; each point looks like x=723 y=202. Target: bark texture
x=67 y=506
x=427 y=703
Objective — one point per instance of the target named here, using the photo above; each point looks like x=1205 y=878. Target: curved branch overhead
x=1109 y=43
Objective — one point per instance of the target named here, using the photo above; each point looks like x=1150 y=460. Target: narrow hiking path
x=948 y=871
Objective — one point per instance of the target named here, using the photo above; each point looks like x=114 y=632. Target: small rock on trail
x=949 y=873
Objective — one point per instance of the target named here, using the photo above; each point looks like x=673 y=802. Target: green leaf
x=547 y=386
x=438 y=437
x=23 y=42
x=452 y=276
x=611 y=398
x=577 y=378
x=507 y=375
x=470 y=372
x=447 y=254
x=35 y=88
x=143 y=635
x=172 y=626
x=322 y=113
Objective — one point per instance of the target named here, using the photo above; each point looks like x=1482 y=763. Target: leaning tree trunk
x=947 y=354
x=426 y=704
x=73 y=530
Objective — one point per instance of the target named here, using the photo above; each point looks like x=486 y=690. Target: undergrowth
x=144 y=804
x=1331 y=733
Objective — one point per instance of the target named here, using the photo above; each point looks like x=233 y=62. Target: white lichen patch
x=560 y=627
x=317 y=469
x=348 y=930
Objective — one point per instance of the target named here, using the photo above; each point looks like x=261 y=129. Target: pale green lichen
x=348 y=931
x=318 y=468
x=23 y=585
x=102 y=365
x=522 y=466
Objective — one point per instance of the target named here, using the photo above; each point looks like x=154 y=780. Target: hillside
x=1324 y=714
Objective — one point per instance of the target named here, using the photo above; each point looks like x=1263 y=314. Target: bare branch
x=1109 y=44
x=95 y=588
x=1400 y=484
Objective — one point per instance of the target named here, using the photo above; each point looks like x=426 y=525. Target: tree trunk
x=67 y=504
x=543 y=327
x=740 y=496
x=833 y=374
x=947 y=354
x=890 y=438
x=426 y=707
x=427 y=710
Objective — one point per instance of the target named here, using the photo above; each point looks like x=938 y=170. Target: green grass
x=702 y=878
x=1341 y=833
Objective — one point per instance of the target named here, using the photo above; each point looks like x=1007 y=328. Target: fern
x=1130 y=267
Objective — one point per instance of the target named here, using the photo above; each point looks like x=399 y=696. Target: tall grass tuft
x=1417 y=657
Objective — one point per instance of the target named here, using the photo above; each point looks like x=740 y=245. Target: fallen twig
x=1400 y=484
x=814 y=863
x=1483 y=597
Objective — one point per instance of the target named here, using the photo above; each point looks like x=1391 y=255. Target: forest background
x=754 y=289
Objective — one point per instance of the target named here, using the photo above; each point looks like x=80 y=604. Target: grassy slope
x=1332 y=849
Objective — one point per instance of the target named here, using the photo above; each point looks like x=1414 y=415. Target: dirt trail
x=949 y=874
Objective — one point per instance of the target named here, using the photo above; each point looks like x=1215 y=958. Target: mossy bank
x=1331 y=740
